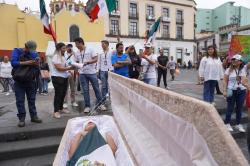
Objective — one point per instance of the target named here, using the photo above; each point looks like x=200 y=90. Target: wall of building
x=204 y=20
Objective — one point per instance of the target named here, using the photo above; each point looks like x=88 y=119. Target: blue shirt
x=16 y=53
x=121 y=70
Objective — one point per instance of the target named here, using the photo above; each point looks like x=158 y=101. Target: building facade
x=211 y=19
x=177 y=30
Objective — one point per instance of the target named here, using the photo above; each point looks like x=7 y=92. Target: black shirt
x=163 y=60
x=134 y=68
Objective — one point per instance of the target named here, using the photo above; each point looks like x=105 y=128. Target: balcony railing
x=135 y=34
x=115 y=13
x=133 y=16
x=165 y=35
x=166 y=19
x=114 y=32
x=179 y=21
x=150 y=17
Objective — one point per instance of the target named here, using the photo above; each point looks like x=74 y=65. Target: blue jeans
x=208 y=92
x=44 y=84
x=237 y=98
x=28 y=88
x=92 y=78
x=105 y=86
x=150 y=81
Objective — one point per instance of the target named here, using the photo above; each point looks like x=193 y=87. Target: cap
x=147 y=45
x=237 y=57
x=31 y=46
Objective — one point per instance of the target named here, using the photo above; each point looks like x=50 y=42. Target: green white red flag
x=48 y=29
x=97 y=8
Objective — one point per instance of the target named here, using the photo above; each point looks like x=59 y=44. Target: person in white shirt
x=104 y=65
x=59 y=77
x=172 y=66
x=148 y=63
x=5 y=74
x=235 y=83
x=210 y=71
x=69 y=54
x=87 y=59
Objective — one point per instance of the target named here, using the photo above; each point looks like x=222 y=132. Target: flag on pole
x=151 y=33
x=48 y=29
x=98 y=8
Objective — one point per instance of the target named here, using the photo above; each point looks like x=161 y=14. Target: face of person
x=79 y=45
x=89 y=126
x=6 y=59
x=148 y=50
x=210 y=51
x=161 y=52
x=63 y=50
x=236 y=63
x=69 y=49
x=104 y=46
x=131 y=50
x=120 y=49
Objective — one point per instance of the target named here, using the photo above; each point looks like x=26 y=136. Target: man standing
x=121 y=61
x=172 y=67
x=104 y=65
x=69 y=54
x=162 y=62
x=21 y=59
x=87 y=58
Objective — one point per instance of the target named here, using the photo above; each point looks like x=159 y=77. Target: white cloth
x=149 y=69
x=104 y=61
x=232 y=81
x=85 y=56
x=172 y=65
x=5 y=70
x=211 y=69
x=59 y=60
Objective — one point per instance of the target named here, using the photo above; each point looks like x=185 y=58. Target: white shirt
x=5 y=70
x=232 y=81
x=211 y=69
x=150 y=70
x=85 y=56
x=59 y=60
x=172 y=65
x=104 y=61
x=72 y=56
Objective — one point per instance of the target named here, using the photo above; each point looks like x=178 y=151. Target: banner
x=240 y=44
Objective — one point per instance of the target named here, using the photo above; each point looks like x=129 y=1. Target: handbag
x=45 y=74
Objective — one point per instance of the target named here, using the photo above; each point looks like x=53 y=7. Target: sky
x=210 y=4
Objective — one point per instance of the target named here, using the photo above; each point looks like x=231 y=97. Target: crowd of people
x=236 y=83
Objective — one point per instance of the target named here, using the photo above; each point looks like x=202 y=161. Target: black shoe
x=36 y=120
x=219 y=93
x=21 y=123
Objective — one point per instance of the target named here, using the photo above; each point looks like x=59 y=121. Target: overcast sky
x=34 y=4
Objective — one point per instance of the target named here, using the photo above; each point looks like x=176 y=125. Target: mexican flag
x=151 y=33
x=97 y=8
x=48 y=29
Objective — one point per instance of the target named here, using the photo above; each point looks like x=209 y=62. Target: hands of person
x=225 y=94
x=202 y=78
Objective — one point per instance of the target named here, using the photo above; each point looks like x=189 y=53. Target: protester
x=172 y=65
x=210 y=72
x=6 y=77
x=104 y=65
x=45 y=76
x=235 y=84
x=149 y=65
x=121 y=61
x=25 y=69
x=69 y=54
x=59 y=79
x=162 y=62
x=135 y=67
x=88 y=59
x=190 y=65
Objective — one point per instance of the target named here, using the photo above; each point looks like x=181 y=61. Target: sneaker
x=65 y=105
x=86 y=110
x=21 y=123
x=57 y=115
x=166 y=87
x=36 y=120
x=103 y=108
x=240 y=128
x=65 y=111
x=229 y=127
x=74 y=104
x=45 y=94
x=7 y=94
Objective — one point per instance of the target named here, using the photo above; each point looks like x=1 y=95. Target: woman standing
x=210 y=71
x=134 y=68
x=44 y=67
x=235 y=83
x=5 y=73
x=59 y=79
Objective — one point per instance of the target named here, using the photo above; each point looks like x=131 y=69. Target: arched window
x=74 y=32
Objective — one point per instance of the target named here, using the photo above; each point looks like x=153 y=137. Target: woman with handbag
x=45 y=75
x=59 y=79
x=235 y=84
x=210 y=71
